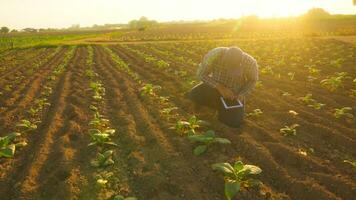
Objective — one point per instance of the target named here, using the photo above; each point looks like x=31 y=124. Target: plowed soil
x=154 y=162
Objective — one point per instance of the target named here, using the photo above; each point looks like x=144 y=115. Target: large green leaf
x=200 y=138
x=8 y=151
x=239 y=165
x=253 y=169
x=226 y=168
x=200 y=149
x=222 y=141
x=4 y=141
x=231 y=189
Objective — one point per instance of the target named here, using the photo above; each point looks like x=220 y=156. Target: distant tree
x=29 y=30
x=14 y=31
x=317 y=13
x=142 y=24
x=4 y=30
x=74 y=27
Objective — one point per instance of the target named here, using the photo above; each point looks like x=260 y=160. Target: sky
x=18 y=14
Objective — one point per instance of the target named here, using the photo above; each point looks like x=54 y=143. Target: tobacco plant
x=307 y=99
x=149 y=89
x=238 y=176
x=343 y=112
x=103 y=159
x=291 y=75
x=98 y=90
x=206 y=140
x=100 y=138
x=289 y=130
x=120 y=197
x=27 y=125
x=189 y=127
x=7 y=145
x=332 y=83
x=255 y=113
x=317 y=105
x=99 y=121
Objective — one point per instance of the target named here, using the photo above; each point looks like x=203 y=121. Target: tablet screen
x=231 y=103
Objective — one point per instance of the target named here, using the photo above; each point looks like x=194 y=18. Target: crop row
x=100 y=131
x=10 y=142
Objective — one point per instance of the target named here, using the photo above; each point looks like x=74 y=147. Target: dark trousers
x=205 y=95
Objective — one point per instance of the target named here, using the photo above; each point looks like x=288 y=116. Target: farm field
x=95 y=120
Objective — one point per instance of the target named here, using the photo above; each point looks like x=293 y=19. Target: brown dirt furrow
x=69 y=149
x=157 y=170
x=10 y=99
x=27 y=92
x=17 y=58
x=171 y=88
x=23 y=179
x=27 y=61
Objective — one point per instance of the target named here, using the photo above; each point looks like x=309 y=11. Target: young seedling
x=101 y=137
x=237 y=176
x=314 y=71
x=41 y=103
x=103 y=178
x=353 y=93
x=206 y=140
x=291 y=75
x=167 y=112
x=162 y=64
x=120 y=197
x=334 y=82
x=8 y=88
x=27 y=125
x=93 y=108
x=90 y=73
x=259 y=84
x=98 y=90
x=255 y=113
x=149 y=89
x=47 y=91
x=267 y=70
x=317 y=105
x=33 y=111
x=343 y=112
x=7 y=147
x=103 y=159
x=189 y=127
x=289 y=130
x=98 y=121
x=307 y=99
x=163 y=99
x=337 y=63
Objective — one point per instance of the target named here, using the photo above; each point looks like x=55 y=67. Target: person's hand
x=226 y=92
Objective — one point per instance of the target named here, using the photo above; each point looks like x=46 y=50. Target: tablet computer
x=229 y=104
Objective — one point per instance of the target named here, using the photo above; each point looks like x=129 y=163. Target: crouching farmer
x=227 y=75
